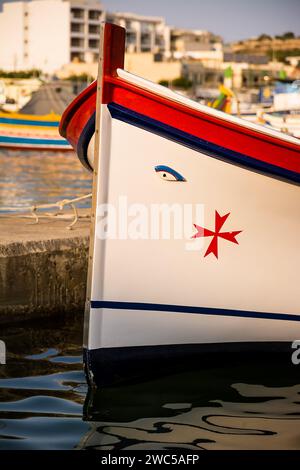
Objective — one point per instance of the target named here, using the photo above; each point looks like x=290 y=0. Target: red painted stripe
x=78 y=113
x=83 y=106
x=79 y=120
x=217 y=131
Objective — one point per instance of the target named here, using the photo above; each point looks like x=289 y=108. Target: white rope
x=59 y=204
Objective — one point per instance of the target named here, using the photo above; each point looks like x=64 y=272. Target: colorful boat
x=31 y=132
x=231 y=280
x=283 y=121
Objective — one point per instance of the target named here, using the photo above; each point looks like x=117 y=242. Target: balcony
x=77 y=14
x=77 y=43
x=94 y=29
x=146 y=28
x=130 y=38
x=94 y=44
x=95 y=15
x=160 y=41
x=146 y=42
x=77 y=29
x=146 y=38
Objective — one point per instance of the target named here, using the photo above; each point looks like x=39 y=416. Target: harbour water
x=245 y=403
x=29 y=178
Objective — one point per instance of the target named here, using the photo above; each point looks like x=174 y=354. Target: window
x=77 y=13
x=76 y=42
x=146 y=28
x=76 y=28
x=159 y=41
x=130 y=38
x=94 y=15
x=94 y=29
x=93 y=43
x=145 y=37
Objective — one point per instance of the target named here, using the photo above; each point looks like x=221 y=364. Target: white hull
x=133 y=328
x=257 y=275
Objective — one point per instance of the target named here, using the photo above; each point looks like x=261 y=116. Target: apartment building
x=143 y=33
x=85 y=18
x=47 y=34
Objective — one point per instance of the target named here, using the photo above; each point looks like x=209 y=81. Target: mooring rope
x=59 y=204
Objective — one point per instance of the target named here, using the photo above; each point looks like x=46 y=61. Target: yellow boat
x=31 y=132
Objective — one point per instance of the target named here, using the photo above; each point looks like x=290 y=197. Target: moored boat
x=283 y=121
x=231 y=279
x=31 y=132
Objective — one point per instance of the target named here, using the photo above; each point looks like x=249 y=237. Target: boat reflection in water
x=227 y=405
x=231 y=402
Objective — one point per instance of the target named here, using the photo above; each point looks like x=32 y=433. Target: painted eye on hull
x=168 y=174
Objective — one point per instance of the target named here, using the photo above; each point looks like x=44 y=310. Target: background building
x=46 y=34
x=61 y=37
x=143 y=33
x=195 y=44
x=85 y=18
x=31 y=38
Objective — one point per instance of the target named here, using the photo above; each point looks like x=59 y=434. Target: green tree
x=33 y=73
x=180 y=82
x=288 y=35
x=264 y=37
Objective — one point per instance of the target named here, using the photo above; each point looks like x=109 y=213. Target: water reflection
x=28 y=178
x=42 y=386
x=249 y=402
x=252 y=405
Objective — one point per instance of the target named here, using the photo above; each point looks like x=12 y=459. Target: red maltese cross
x=204 y=232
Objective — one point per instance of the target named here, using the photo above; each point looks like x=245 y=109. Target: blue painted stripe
x=25 y=140
x=84 y=140
x=193 y=310
x=29 y=122
x=201 y=145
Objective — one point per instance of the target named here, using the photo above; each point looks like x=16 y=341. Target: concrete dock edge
x=43 y=268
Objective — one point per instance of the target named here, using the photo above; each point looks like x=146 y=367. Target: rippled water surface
x=28 y=178
x=245 y=403
x=42 y=386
